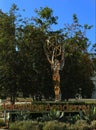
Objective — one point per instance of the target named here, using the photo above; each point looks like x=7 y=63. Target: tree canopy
x=23 y=64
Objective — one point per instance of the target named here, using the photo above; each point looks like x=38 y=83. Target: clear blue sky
x=64 y=9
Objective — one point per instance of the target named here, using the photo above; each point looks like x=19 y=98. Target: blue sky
x=64 y=9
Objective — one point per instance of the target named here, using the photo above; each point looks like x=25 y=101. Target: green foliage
x=45 y=18
x=54 y=114
x=78 y=68
x=25 y=125
x=2 y=123
x=44 y=12
x=75 y=19
x=26 y=70
x=92 y=113
x=81 y=125
x=93 y=124
x=52 y=125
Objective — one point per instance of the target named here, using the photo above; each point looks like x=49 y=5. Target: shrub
x=93 y=124
x=54 y=125
x=16 y=125
x=2 y=123
x=24 y=125
x=81 y=125
x=28 y=125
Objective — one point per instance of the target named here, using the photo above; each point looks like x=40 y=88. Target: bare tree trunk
x=56 y=83
x=53 y=49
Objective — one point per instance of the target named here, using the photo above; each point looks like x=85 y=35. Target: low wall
x=71 y=105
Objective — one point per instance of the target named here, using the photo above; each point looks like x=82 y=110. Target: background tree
x=23 y=63
x=8 y=80
x=31 y=52
x=78 y=68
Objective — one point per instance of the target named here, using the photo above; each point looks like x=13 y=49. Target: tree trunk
x=56 y=83
x=12 y=100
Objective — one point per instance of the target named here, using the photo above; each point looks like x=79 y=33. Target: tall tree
x=54 y=52
x=52 y=46
x=7 y=54
x=78 y=68
x=24 y=46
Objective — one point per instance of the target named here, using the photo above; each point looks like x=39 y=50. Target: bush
x=16 y=125
x=81 y=125
x=93 y=124
x=28 y=125
x=24 y=125
x=54 y=125
x=2 y=123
